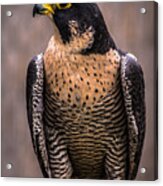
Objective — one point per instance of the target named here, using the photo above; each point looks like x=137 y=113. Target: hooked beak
x=43 y=9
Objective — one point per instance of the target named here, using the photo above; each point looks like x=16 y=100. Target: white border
x=52 y=1
x=42 y=182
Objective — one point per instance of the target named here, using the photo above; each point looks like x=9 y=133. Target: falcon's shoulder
x=35 y=107
x=132 y=81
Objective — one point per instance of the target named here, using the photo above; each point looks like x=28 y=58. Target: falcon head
x=74 y=19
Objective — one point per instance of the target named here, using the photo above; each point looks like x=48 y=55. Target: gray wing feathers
x=34 y=95
x=133 y=89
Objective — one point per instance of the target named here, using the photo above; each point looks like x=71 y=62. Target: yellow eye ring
x=63 y=6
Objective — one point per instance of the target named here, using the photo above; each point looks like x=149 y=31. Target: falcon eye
x=63 y=6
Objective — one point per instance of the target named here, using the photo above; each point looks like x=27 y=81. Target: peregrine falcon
x=85 y=99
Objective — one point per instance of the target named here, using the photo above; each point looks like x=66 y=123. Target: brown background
x=24 y=37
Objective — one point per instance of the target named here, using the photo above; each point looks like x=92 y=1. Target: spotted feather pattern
x=84 y=104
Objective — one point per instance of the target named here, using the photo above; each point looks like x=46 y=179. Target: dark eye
x=63 y=6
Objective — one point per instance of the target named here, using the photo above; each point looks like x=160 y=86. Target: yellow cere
x=48 y=9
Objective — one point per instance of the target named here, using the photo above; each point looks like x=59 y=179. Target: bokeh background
x=23 y=37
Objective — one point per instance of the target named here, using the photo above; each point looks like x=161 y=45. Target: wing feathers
x=134 y=97
x=34 y=95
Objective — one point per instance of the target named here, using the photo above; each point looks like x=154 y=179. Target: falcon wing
x=134 y=97
x=34 y=96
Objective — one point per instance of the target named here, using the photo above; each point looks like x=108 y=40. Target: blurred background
x=24 y=37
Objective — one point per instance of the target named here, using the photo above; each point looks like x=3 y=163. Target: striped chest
x=88 y=131
x=83 y=100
